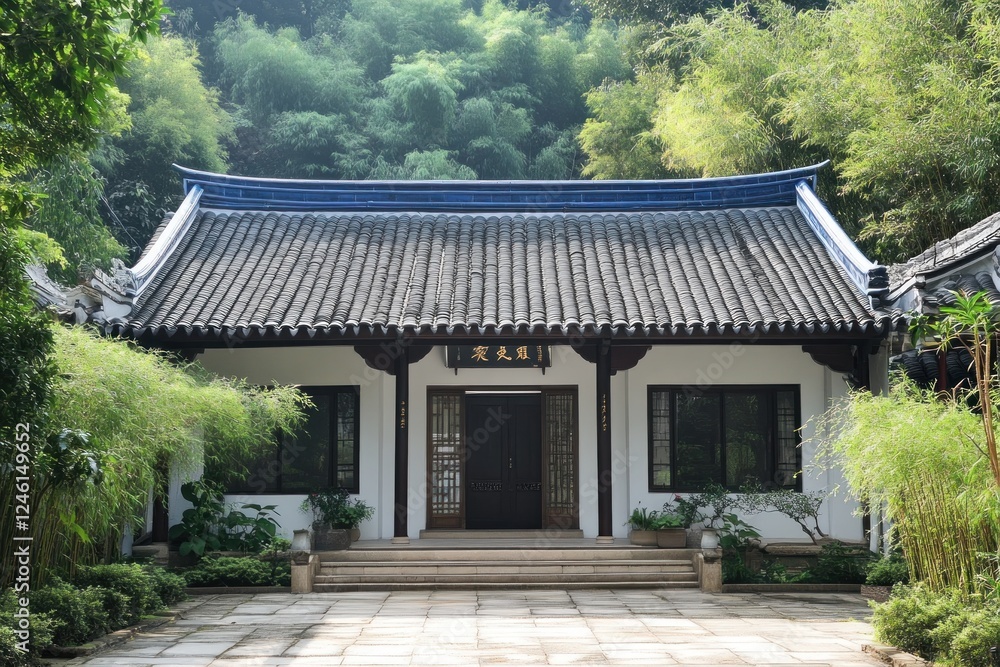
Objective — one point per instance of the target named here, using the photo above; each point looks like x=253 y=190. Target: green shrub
x=168 y=586
x=888 y=571
x=971 y=646
x=839 y=563
x=910 y=617
x=77 y=615
x=9 y=653
x=118 y=607
x=232 y=571
x=942 y=636
x=132 y=581
x=40 y=628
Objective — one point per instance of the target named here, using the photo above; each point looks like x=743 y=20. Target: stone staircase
x=504 y=567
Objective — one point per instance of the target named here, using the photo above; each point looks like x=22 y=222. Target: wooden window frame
x=333 y=391
x=721 y=390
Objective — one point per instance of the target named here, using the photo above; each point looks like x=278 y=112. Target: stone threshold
x=493 y=534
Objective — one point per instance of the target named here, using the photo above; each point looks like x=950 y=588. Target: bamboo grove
x=119 y=419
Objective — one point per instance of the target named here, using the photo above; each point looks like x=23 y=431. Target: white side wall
x=694 y=365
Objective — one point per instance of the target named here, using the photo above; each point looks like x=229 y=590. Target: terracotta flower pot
x=671 y=538
x=643 y=538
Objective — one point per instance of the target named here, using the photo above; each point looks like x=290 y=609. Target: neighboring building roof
x=943 y=294
x=966 y=262
x=737 y=256
x=922 y=366
x=946 y=256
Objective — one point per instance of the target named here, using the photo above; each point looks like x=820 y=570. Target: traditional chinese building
x=519 y=355
x=968 y=262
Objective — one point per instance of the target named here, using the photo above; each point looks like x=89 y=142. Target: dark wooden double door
x=503 y=463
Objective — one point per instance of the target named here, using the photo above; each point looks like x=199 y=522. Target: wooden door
x=503 y=450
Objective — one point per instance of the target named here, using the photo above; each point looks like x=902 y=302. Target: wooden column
x=402 y=416
x=942 y=363
x=604 y=518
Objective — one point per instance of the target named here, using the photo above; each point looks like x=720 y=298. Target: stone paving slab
x=579 y=627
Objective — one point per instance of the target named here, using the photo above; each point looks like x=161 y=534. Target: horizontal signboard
x=498 y=356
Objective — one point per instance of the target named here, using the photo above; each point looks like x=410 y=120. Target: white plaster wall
x=702 y=366
x=320 y=365
x=677 y=364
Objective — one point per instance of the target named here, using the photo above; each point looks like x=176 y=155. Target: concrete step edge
x=621 y=576
x=507 y=563
x=605 y=585
x=353 y=555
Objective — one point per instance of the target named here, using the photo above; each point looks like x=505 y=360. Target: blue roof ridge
x=871 y=278
x=225 y=191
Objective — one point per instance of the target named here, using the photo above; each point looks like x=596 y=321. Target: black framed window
x=724 y=435
x=324 y=453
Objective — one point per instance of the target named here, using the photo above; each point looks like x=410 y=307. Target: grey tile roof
x=984 y=234
x=921 y=366
x=967 y=283
x=735 y=271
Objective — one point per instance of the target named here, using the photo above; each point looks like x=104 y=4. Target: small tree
x=971 y=323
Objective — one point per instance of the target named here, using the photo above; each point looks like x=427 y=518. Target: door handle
x=510 y=463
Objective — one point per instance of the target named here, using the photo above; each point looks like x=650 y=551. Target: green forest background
x=901 y=96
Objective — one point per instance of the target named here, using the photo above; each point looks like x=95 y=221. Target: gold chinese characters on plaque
x=498 y=356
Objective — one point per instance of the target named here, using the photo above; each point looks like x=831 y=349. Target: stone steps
x=518 y=554
x=500 y=567
x=406 y=569
x=500 y=586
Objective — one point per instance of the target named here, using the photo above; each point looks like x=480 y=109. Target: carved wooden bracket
x=623 y=357
x=383 y=357
x=838 y=358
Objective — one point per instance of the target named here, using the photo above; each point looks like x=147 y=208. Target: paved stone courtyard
x=589 y=627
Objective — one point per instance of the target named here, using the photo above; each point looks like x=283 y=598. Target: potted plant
x=643 y=531
x=670 y=530
x=336 y=517
x=716 y=498
x=689 y=511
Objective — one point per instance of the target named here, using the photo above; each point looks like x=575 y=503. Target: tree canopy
x=58 y=63
x=901 y=97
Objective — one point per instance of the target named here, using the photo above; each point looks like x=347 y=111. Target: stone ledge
x=893 y=656
x=791 y=588
x=236 y=590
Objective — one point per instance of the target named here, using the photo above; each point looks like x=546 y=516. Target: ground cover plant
x=94 y=602
x=239 y=571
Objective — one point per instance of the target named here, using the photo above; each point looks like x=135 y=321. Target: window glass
x=322 y=454
x=698 y=439
x=723 y=435
x=305 y=456
x=747 y=422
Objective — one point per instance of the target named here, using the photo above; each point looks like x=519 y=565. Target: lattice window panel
x=560 y=446
x=446 y=455
x=789 y=454
x=660 y=464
